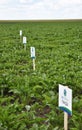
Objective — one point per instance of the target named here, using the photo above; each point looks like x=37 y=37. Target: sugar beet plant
x=29 y=99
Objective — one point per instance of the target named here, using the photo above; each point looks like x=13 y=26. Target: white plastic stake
x=33 y=56
x=24 y=42
x=20 y=32
x=20 y=35
x=65 y=103
x=32 y=52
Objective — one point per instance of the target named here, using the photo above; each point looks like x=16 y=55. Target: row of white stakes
x=64 y=87
x=32 y=49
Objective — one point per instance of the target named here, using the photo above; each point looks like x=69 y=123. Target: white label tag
x=65 y=99
x=24 y=40
x=20 y=32
x=32 y=52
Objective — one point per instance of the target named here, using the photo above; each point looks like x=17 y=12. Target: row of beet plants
x=29 y=99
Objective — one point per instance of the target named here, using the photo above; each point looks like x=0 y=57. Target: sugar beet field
x=28 y=98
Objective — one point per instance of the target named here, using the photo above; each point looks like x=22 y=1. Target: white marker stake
x=24 y=42
x=33 y=56
x=65 y=103
x=20 y=35
x=20 y=32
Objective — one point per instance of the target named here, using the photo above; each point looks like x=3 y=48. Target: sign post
x=24 y=42
x=65 y=103
x=65 y=121
x=32 y=49
x=34 y=64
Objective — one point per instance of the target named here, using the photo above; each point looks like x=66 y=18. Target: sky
x=40 y=9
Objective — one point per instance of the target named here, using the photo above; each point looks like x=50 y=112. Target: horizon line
x=40 y=19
